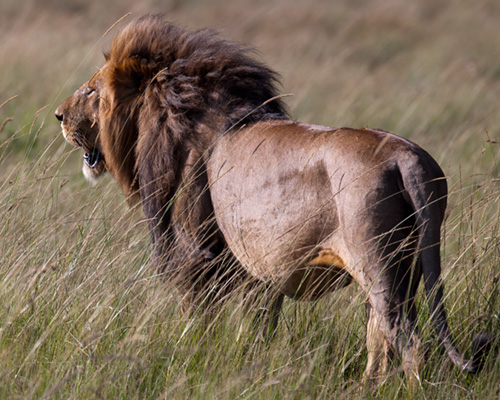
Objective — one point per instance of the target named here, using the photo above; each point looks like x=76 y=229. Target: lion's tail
x=425 y=184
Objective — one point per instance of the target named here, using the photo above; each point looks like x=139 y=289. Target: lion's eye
x=88 y=91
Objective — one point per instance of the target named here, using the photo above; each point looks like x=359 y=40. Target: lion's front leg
x=262 y=303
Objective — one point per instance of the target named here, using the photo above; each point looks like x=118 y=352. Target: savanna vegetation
x=83 y=312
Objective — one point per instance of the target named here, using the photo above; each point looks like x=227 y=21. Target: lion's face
x=79 y=118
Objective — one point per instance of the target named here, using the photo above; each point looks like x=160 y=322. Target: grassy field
x=83 y=313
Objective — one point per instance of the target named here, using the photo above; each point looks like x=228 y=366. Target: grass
x=84 y=314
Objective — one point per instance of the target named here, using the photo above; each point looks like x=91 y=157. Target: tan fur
x=185 y=123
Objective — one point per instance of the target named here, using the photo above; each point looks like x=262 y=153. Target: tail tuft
x=481 y=347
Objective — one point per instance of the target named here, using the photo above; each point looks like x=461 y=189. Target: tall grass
x=83 y=312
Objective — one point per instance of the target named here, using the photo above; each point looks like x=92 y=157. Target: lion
x=192 y=126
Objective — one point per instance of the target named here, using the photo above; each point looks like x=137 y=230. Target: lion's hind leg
x=390 y=279
x=379 y=352
x=391 y=329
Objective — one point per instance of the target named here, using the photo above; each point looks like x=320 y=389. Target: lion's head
x=79 y=118
x=82 y=117
x=160 y=88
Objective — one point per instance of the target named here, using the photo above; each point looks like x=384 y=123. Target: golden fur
x=191 y=125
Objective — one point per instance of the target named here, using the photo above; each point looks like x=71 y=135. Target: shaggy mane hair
x=164 y=82
x=168 y=93
x=199 y=72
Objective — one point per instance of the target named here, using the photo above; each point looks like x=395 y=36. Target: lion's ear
x=131 y=73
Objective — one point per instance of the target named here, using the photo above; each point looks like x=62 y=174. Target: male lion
x=192 y=126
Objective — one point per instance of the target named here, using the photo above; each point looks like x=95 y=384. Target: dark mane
x=211 y=79
x=167 y=95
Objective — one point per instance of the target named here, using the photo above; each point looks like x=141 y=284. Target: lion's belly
x=294 y=252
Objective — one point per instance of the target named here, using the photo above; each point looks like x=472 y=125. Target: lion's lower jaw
x=92 y=175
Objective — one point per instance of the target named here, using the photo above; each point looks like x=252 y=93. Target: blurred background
x=83 y=313
x=426 y=70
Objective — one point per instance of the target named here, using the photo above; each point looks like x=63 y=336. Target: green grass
x=83 y=313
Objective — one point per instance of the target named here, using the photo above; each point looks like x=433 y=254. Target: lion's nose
x=59 y=116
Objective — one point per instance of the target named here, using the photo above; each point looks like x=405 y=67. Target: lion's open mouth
x=92 y=158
